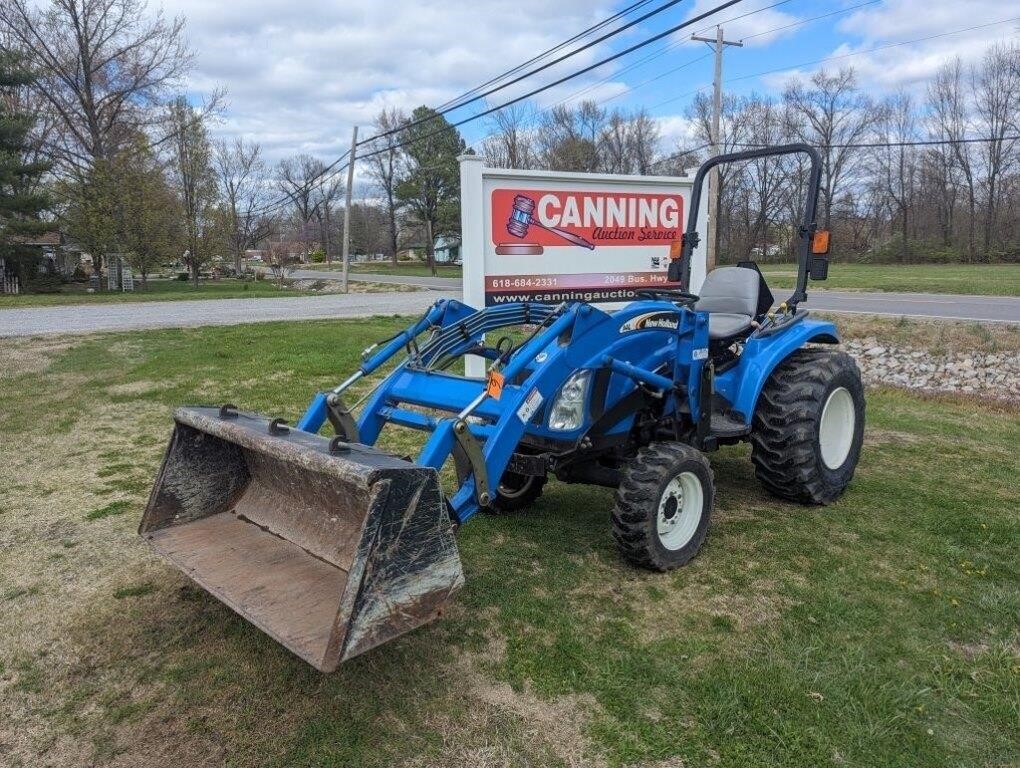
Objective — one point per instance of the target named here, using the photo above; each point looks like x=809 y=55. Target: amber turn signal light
x=820 y=242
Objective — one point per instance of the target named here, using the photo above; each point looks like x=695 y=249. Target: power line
x=678 y=43
x=589 y=88
x=834 y=57
x=560 y=46
x=677 y=155
x=873 y=50
x=813 y=18
x=438 y=113
x=632 y=66
x=565 y=78
x=673 y=70
x=676 y=98
x=305 y=187
x=457 y=103
x=892 y=144
x=749 y=13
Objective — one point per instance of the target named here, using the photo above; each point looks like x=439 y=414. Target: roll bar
x=680 y=270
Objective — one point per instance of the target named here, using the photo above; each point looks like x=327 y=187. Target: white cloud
x=675 y=130
x=299 y=75
x=883 y=66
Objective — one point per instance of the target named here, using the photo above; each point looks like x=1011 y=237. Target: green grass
x=138 y=590
x=978 y=279
x=879 y=631
x=111 y=509
x=157 y=290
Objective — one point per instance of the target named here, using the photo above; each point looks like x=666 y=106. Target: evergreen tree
x=20 y=205
x=430 y=189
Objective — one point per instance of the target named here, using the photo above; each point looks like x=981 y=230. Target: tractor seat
x=730 y=296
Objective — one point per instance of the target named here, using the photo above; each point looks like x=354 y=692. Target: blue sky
x=298 y=78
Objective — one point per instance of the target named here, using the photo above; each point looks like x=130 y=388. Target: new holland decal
x=652 y=321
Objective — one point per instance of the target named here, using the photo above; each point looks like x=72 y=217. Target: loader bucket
x=329 y=553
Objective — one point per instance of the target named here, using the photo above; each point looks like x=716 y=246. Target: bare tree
x=628 y=143
x=326 y=191
x=996 y=88
x=733 y=126
x=767 y=179
x=896 y=165
x=510 y=142
x=106 y=67
x=298 y=179
x=949 y=114
x=644 y=142
x=195 y=180
x=243 y=182
x=568 y=139
x=385 y=170
x=831 y=114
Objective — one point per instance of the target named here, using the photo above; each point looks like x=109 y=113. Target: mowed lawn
x=978 y=279
x=402 y=268
x=412 y=269
x=879 y=631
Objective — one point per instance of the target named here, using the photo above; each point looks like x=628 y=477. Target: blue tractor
x=333 y=546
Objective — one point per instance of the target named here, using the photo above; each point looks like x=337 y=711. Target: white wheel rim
x=680 y=509
x=836 y=428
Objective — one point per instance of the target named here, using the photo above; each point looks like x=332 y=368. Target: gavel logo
x=522 y=217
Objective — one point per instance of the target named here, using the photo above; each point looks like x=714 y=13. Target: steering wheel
x=672 y=294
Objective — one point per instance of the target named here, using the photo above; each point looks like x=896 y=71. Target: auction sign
x=553 y=237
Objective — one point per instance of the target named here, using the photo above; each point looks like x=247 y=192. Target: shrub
x=183 y=277
x=317 y=257
x=45 y=284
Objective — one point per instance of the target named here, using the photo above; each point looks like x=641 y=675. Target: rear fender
x=742 y=384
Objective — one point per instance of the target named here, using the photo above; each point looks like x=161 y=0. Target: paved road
x=176 y=314
x=986 y=309
x=32 y=321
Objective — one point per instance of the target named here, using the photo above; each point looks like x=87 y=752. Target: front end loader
x=333 y=546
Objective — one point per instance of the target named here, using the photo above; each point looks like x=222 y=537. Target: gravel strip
x=988 y=374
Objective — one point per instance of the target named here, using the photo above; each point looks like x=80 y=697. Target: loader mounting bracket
x=343 y=421
x=473 y=452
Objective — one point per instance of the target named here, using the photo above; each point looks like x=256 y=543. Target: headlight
x=567 y=410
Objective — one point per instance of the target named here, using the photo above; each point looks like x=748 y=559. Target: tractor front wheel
x=808 y=427
x=663 y=506
x=516 y=492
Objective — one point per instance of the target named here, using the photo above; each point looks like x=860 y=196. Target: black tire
x=643 y=485
x=785 y=438
x=516 y=492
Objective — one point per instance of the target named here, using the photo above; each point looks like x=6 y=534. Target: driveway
x=90 y=318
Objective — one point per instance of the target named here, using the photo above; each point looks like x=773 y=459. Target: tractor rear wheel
x=663 y=506
x=808 y=426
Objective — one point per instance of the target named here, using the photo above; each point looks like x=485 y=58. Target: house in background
x=57 y=257
x=447 y=250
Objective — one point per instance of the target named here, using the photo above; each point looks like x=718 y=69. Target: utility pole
x=347 y=212
x=718 y=43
